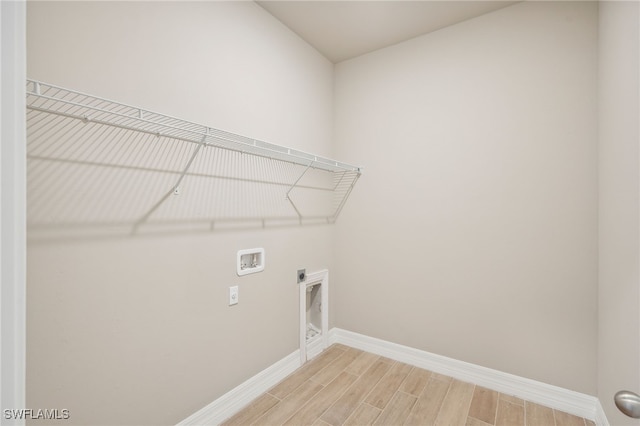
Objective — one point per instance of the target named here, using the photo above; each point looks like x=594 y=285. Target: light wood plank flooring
x=346 y=386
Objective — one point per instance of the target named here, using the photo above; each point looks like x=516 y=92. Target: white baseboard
x=237 y=398
x=565 y=400
x=601 y=417
x=576 y=403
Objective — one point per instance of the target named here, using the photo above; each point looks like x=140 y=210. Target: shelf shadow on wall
x=86 y=180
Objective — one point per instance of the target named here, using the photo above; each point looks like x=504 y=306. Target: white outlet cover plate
x=233 y=295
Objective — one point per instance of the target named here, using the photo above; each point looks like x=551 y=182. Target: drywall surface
x=136 y=329
x=473 y=233
x=619 y=214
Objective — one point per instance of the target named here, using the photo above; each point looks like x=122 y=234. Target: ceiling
x=342 y=30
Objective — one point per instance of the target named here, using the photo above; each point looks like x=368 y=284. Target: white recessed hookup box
x=250 y=261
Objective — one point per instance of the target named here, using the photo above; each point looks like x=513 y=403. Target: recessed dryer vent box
x=314 y=314
x=250 y=261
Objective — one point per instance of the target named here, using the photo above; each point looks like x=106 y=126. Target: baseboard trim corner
x=566 y=400
x=601 y=417
x=237 y=398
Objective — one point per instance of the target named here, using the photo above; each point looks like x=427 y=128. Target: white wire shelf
x=93 y=161
x=88 y=108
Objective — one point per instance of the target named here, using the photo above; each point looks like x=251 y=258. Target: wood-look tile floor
x=346 y=386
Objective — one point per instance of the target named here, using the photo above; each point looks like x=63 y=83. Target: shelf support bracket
x=344 y=200
x=175 y=190
x=293 y=186
x=176 y=187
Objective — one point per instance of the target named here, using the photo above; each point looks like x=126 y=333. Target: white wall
x=12 y=207
x=473 y=233
x=619 y=201
x=136 y=330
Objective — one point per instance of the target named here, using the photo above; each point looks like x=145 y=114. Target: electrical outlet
x=233 y=295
